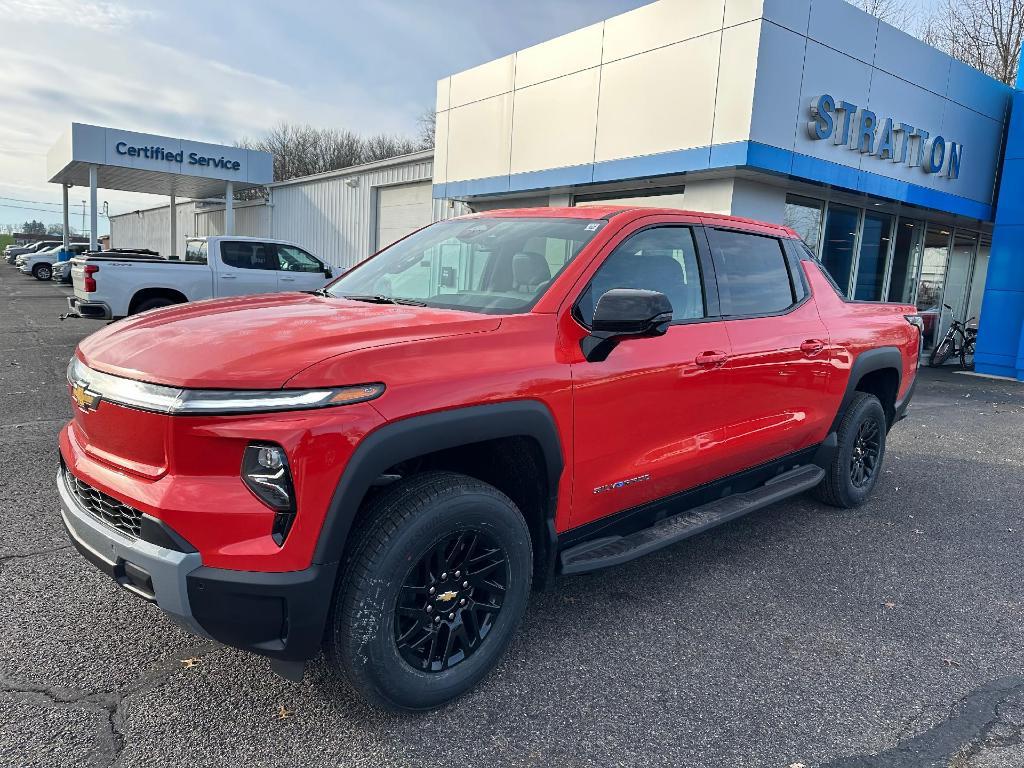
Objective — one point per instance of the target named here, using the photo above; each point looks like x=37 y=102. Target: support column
x=229 y=208
x=174 y=228
x=93 y=182
x=67 y=236
x=1000 y=347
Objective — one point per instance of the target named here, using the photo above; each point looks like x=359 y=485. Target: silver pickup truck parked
x=117 y=285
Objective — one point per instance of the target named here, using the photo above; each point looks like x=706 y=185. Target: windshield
x=489 y=265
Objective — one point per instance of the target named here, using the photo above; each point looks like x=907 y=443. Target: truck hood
x=259 y=342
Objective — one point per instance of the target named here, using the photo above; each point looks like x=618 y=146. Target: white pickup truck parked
x=112 y=285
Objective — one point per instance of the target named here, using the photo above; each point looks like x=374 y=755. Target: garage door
x=402 y=209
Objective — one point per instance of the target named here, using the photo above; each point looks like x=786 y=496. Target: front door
x=246 y=267
x=777 y=375
x=649 y=419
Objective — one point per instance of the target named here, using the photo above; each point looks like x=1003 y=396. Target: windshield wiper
x=379 y=299
x=318 y=292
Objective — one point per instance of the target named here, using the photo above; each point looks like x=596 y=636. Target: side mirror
x=328 y=273
x=624 y=313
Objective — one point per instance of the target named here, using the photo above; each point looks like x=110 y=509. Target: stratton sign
x=858 y=129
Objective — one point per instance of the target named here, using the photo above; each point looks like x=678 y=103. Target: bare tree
x=427 y=124
x=898 y=13
x=985 y=34
x=382 y=146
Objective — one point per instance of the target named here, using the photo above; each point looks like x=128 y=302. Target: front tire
x=42 y=272
x=857 y=464
x=941 y=353
x=436 y=582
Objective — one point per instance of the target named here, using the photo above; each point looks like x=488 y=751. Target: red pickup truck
x=382 y=468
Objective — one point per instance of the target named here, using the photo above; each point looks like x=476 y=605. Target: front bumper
x=280 y=615
x=95 y=310
x=155 y=573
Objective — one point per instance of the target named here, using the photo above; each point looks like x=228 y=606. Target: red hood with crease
x=259 y=342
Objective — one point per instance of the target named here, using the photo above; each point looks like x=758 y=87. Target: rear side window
x=243 y=255
x=753 y=277
x=195 y=251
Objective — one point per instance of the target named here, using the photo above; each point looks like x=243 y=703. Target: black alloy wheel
x=450 y=600
x=864 y=459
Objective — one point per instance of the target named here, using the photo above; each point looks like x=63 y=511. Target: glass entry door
x=876 y=236
x=906 y=258
x=933 y=280
x=958 y=278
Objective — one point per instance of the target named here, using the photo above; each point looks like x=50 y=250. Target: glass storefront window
x=958 y=275
x=978 y=281
x=839 y=242
x=906 y=255
x=803 y=216
x=874 y=251
x=933 y=280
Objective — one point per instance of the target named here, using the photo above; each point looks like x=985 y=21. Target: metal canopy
x=94 y=157
x=139 y=162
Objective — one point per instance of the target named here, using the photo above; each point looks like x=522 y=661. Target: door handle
x=811 y=347
x=227 y=277
x=287 y=279
x=711 y=359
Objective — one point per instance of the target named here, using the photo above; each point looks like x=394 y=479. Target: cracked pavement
x=890 y=635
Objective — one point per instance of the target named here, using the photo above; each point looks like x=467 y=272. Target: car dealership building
x=884 y=154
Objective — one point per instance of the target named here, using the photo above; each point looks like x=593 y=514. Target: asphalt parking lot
x=801 y=635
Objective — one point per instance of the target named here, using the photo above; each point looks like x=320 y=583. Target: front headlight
x=159 y=398
x=266 y=473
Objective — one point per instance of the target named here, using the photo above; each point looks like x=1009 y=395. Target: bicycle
x=959 y=340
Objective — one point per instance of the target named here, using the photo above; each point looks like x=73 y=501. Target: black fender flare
x=865 y=363
x=408 y=438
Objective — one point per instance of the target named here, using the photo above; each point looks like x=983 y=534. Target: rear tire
x=149 y=304
x=941 y=353
x=857 y=463
x=42 y=271
x=967 y=356
x=425 y=609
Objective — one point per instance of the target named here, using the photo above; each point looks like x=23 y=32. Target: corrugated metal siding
x=151 y=228
x=335 y=221
x=250 y=221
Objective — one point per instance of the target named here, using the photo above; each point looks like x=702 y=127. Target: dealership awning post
x=173 y=210
x=67 y=236
x=229 y=209
x=93 y=182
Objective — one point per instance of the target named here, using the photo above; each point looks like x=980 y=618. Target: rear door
x=775 y=380
x=246 y=267
x=298 y=270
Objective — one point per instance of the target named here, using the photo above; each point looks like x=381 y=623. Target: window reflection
x=840 y=239
x=874 y=250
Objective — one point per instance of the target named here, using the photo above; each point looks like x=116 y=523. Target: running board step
x=614 y=550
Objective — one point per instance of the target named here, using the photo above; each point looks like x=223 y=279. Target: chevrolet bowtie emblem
x=444 y=597
x=84 y=399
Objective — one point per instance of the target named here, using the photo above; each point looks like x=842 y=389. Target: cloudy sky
x=217 y=70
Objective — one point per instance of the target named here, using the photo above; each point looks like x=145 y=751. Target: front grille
x=104 y=508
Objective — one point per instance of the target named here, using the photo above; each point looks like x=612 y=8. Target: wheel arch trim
x=408 y=438
x=867 y=362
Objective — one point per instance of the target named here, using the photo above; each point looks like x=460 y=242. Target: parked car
x=12 y=252
x=386 y=466
x=115 y=284
x=41 y=265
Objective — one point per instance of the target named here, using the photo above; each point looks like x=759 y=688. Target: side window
x=753 y=278
x=246 y=255
x=292 y=259
x=659 y=259
x=195 y=250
